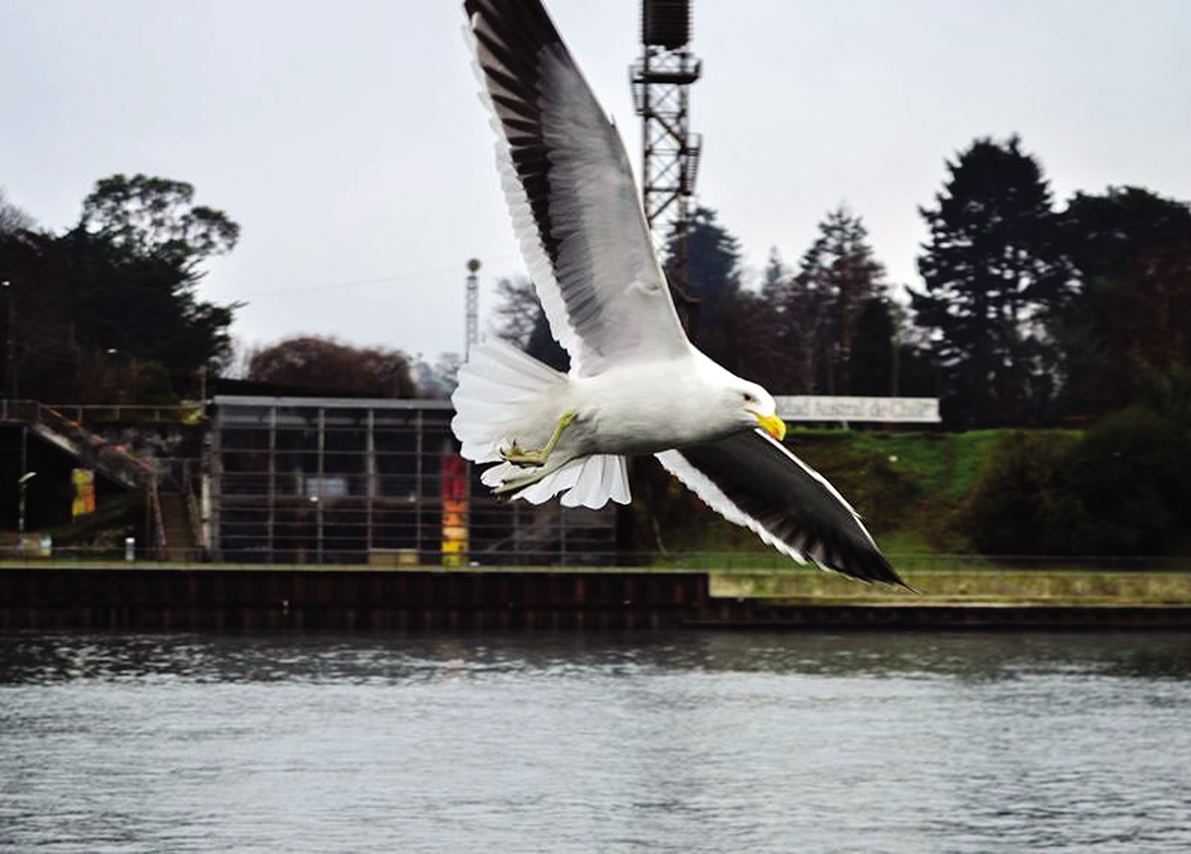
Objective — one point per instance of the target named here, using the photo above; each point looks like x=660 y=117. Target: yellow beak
x=773 y=425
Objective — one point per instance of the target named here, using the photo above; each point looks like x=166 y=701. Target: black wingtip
x=898 y=581
x=871 y=567
x=848 y=549
x=889 y=575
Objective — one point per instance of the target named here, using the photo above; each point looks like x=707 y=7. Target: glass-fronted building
x=374 y=481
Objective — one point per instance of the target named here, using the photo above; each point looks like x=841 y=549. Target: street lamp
x=23 y=481
x=10 y=368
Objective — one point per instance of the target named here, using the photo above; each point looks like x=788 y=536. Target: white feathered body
x=506 y=398
x=648 y=407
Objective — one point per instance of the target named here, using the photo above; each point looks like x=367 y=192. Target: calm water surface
x=706 y=742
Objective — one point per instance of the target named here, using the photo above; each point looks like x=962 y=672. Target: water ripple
x=576 y=743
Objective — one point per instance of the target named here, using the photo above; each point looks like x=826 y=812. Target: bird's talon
x=519 y=457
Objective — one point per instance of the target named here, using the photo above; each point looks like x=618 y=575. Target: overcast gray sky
x=348 y=142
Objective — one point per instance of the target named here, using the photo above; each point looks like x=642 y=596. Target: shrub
x=1132 y=476
x=1019 y=504
x=1124 y=488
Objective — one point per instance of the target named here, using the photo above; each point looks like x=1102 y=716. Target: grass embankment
x=907 y=486
x=910 y=488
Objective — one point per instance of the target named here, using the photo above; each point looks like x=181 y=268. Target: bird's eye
x=748 y=398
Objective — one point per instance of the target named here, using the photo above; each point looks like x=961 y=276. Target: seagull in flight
x=636 y=383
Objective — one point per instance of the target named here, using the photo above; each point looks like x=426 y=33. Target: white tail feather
x=601 y=477
x=505 y=396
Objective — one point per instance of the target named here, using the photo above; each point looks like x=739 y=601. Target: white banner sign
x=891 y=409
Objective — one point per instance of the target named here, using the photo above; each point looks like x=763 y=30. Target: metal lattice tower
x=471 y=308
x=661 y=81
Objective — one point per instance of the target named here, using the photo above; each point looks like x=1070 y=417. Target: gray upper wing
x=571 y=193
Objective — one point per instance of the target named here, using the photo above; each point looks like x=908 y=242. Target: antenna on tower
x=661 y=80
x=471 y=309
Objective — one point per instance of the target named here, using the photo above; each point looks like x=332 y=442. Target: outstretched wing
x=570 y=190
x=753 y=480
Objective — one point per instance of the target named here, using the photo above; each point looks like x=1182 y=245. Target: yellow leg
x=538 y=456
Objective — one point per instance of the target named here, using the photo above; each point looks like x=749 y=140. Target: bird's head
x=758 y=409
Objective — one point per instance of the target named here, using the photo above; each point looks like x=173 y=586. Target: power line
x=359 y=283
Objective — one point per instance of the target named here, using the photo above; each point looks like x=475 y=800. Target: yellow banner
x=84 y=492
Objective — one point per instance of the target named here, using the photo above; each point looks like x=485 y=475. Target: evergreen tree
x=991 y=269
x=801 y=315
x=102 y=312
x=840 y=272
x=711 y=300
x=144 y=307
x=39 y=358
x=715 y=257
x=768 y=358
x=875 y=353
x=1132 y=252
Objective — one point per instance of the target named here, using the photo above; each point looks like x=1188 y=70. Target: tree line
x=109 y=312
x=1033 y=313
x=1026 y=314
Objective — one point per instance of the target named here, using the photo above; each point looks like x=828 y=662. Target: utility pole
x=471 y=309
x=10 y=361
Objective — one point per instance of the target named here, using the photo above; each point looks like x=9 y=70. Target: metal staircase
x=90 y=449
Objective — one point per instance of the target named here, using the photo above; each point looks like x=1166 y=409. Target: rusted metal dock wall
x=312 y=599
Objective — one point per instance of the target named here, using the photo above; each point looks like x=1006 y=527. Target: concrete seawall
x=311 y=598
x=965 y=586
